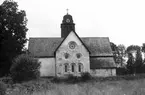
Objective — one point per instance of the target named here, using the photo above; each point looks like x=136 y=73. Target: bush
x=25 y=68
x=72 y=79
x=2 y=88
x=56 y=80
x=85 y=76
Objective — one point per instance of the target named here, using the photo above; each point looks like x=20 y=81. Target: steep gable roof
x=45 y=47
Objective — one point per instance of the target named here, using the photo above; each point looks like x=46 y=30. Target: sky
x=123 y=21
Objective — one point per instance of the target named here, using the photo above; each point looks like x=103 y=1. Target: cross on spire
x=67 y=10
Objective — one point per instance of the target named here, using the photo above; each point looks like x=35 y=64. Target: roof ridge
x=43 y=37
x=94 y=37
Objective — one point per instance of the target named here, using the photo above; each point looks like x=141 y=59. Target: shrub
x=56 y=80
x=85 y=76
x=2 y=88
x=25 y=68
x=71 y=78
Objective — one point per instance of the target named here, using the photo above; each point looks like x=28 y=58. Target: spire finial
x=67 y=10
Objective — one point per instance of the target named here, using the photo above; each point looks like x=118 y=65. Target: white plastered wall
x=47 y=67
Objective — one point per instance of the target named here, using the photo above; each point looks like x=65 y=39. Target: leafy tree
x=25 y=68
x=115 y=51
x=121 y=50
x=133 y=48
x=12 y=33
x=143 y=50
x=143 y=47
x=114 y=47
x=130 y=63
x=134 y=62
x=138 y=61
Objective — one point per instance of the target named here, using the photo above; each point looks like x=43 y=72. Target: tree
x=138 y=62
x=13 y=33
x=24 y=68
x=114 y=47
x=143 y=47
x=115 y=51
x=121 y=50
x=143 y=50
x=130 y=63
x=133 y=48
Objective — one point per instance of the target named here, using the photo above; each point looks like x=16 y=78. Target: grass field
x=105 y=87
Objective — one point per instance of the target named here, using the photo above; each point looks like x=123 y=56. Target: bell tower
x=67 y=25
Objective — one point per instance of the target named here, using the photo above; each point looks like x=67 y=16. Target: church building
x=71 y=54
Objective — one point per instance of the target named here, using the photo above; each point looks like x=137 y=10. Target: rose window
x=72 y=45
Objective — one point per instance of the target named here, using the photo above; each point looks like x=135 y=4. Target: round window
x=72 y=45
x=78 y=55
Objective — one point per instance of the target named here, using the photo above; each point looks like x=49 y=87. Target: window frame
x=66 y=66
x=80 y=67
x=78 y=55
x=73 y=65
x=72 y=44
x=66 y=55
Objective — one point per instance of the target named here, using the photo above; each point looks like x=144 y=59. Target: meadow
x=124 y=85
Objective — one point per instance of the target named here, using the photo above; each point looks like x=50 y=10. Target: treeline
x=129 y=60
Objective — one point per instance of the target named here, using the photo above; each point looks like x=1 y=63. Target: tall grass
x=45 y=87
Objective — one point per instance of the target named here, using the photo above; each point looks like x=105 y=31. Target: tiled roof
x=98 y=46
x=102 y=62
x=45 y=47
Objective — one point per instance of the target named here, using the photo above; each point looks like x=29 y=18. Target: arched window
x=73 y=67
x=66 y=67
x=80 y=67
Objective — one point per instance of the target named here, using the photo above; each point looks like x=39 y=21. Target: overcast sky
x=123 y=21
